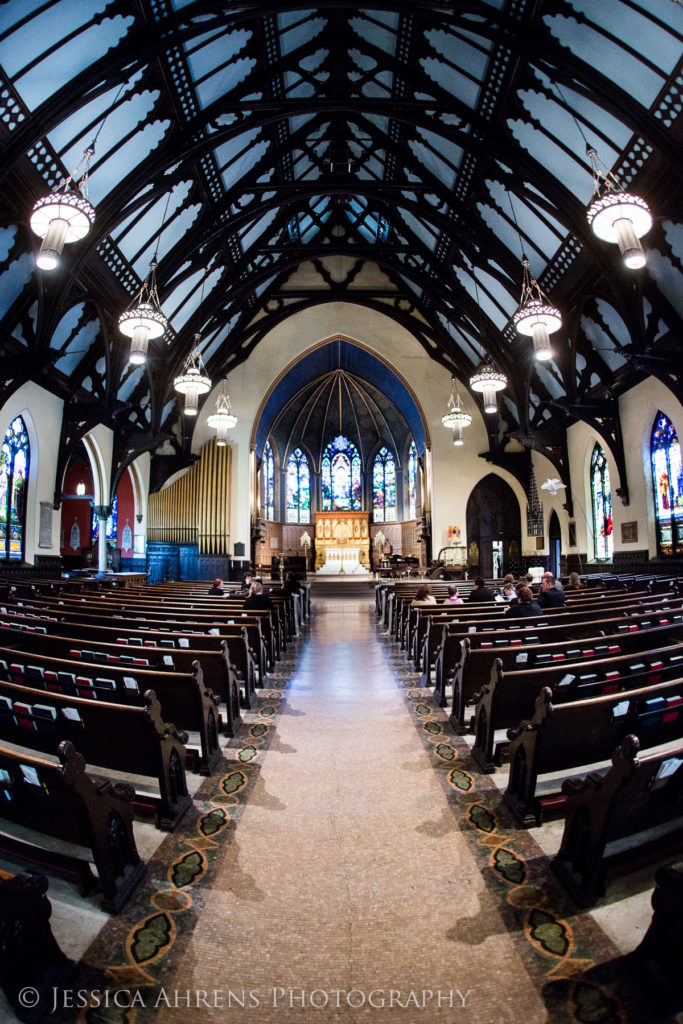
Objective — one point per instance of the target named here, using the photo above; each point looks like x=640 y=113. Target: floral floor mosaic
x=582 y=977
x=127 y=969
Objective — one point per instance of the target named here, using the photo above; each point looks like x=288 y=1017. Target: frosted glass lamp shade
x=622 y=218
x=141 y=323
x=58 y=219
x=487 y=380
x=538 y=320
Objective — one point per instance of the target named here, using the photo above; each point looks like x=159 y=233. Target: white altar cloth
x=342 y=560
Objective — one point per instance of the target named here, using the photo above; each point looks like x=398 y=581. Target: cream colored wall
x=637 y=410
x=457 y=469
x=42 y=413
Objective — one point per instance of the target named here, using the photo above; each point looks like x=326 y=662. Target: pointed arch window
x=268 y=471
x=601 y=501
x=412 y=481
x=667 y=481
x=110 y=532
x=340 y=474
x=384 y=487
x=14 y=463
x=298 y=488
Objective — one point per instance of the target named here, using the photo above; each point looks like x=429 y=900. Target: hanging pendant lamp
x=222 y=419
x=63 y=216
x=143 y=320
x=616 y=215
x=536 y=315
x=456 y=418
x=487 y=381
x=193 y=381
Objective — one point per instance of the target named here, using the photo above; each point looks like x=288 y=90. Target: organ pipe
x=196 y=508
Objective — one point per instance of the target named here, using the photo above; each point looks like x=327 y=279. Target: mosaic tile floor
x=347 y=863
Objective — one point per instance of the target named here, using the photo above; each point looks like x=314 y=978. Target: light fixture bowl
x=218 y=420
x=603 y=213
x=534 y=313
x=487 y=377
x=192 y=380
x=455 y=419
x=143 y=315
x=70 y=207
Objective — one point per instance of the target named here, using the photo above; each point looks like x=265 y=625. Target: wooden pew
x=125 y=739
x=184 y=699
x=475 y=664
x=429 y=622
x=567 y=737
x=217 y=674
x=655 y=966
x=158 y=615
x=546 y=631
x=635 y=797
x=509 y=696
x=30 y=957
x=143 y=628
x=61 y=801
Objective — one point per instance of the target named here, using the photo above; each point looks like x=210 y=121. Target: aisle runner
x=121 y=977
x=562 y=957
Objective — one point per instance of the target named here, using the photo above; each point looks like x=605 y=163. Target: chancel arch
x=342 y=409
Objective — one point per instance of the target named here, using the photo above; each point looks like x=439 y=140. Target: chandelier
x=222 y=419
x=487 y=381
x=63 y=216
x=456 y=418
x=536 y=316
x=616 y=215
x=193 y=381
x=143 y=320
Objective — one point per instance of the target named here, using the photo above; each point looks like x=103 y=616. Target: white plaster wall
x=637 y=410
x=544 y=470
x=42 y=414
x=457 y=469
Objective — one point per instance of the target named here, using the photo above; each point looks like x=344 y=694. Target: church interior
x=367 y=295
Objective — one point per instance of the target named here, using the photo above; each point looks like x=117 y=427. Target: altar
x=342 y=543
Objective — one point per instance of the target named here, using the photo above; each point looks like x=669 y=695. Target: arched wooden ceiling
x=396 y=154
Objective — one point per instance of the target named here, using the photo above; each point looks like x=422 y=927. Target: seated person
x=291 y=584
x=525 y=607
x=481 y=592
x=574 y=581
x=257 y=600
x=453 y=596
x=509 y=592
x=556 y=583
x=551 y=596
x=423 y=595
x=217 y=588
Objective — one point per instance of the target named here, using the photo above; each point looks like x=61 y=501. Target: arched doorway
x=555 y=545
x=493 y=527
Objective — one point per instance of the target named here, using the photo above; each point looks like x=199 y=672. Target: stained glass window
x=110 y=532
x=269 y=481
x=14 y=461
x=298 y=488
x=667 y=480
x=412 y=481
x=601 y=498
x=340 y=474
x=384 y=487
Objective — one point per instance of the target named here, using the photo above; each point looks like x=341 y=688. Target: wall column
x=102 y=512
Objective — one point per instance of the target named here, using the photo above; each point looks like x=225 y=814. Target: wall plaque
x=629 y=533
x=45 y=533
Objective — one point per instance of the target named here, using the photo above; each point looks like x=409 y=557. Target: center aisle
x=346 y=871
